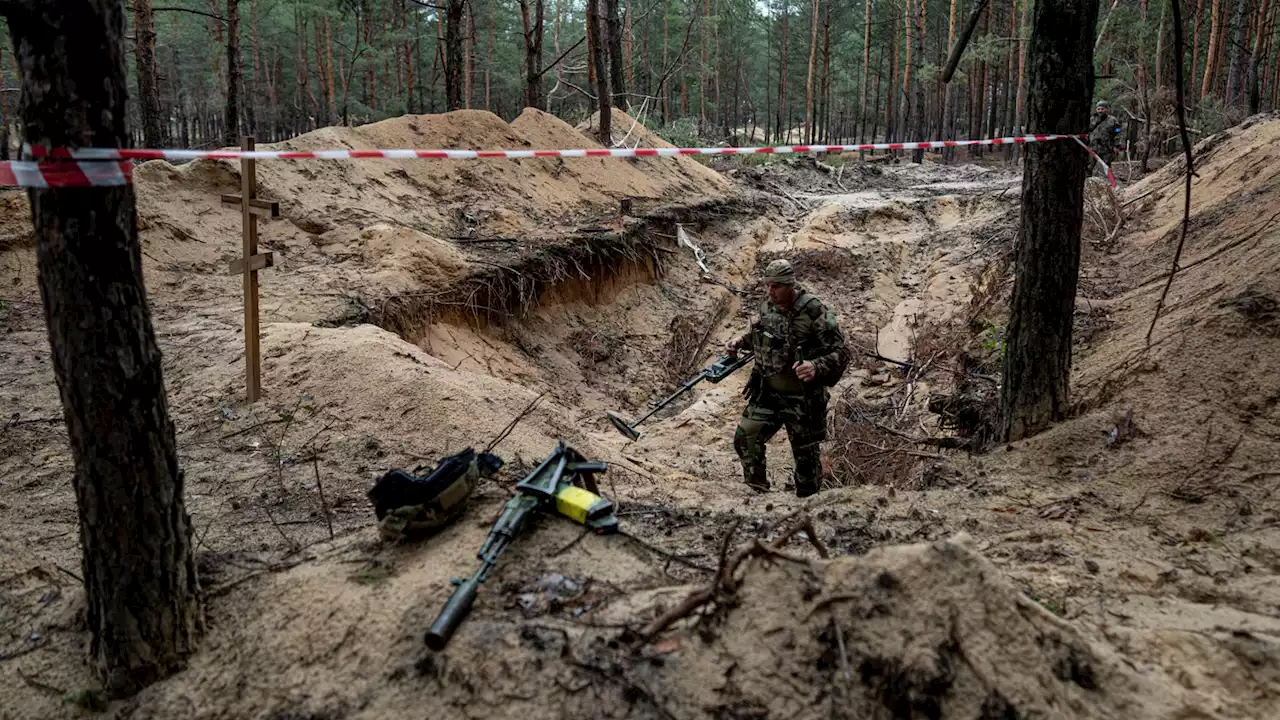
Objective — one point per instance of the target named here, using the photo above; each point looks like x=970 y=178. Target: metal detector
x=713 y=373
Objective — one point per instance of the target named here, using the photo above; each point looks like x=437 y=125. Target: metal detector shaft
x=683 y=389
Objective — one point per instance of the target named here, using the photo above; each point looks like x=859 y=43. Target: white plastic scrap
x=682 y=238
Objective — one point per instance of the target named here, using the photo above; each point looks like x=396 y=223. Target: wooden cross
x=250 y=263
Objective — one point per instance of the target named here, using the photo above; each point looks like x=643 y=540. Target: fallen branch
x=725 y=582
x=514 y=421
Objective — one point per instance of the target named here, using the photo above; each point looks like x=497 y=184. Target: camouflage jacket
x=808 y=331
x=1104 y=134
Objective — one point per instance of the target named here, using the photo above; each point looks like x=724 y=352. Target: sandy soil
x=1063 y=576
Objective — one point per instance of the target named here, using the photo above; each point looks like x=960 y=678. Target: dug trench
x=1064 y=576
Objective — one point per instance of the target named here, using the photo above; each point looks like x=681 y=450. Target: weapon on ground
x=549 y=488
x=713 y=373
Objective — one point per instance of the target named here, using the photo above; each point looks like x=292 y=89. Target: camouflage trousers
x=806 y=421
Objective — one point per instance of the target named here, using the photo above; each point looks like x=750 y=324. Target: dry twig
x=725 y=582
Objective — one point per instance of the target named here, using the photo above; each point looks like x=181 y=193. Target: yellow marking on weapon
x=578 y=505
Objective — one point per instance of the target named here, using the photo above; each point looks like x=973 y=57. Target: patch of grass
x=92 y=699
x=374 y=573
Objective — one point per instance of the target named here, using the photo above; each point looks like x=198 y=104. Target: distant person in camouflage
x=799 y=353
x=1104 y=133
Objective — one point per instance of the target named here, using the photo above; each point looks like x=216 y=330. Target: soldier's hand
x=733 y=345
x=805 y=370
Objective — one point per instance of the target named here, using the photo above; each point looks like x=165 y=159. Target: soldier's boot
x=749 y=442
x=808 y=474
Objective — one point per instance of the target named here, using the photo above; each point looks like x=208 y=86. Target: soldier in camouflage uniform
x=799 y=353
x=1104 y=133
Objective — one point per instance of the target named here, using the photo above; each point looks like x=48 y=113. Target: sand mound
x=447 y=198
x=927 y=631
x=923 y=631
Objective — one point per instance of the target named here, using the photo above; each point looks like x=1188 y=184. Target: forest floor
x=1123 y=564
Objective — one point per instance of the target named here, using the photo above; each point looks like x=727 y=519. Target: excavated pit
x=1067 y=576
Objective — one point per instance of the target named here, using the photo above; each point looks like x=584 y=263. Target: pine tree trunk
x=532 y=51
x=1212 y=53
x=597 y=52
x=617 y=67
x=866 y=72
x=784 y=120
x=145 y=66
x=949 y=92
x=1239 y=55
x=254 y=87
x=331 y=88
x=141 y=592
x=231 y=120
x=890 y=132
x=917 y=33
x=627 y=47
x=1197 y=19
x=1255 y=59
x=1023 y=32
x=469 y=55
x=1037 y=367
x=453 y=59
x=1010 y=85
x=808 y=83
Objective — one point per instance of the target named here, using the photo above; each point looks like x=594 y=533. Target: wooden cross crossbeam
x=250 y=263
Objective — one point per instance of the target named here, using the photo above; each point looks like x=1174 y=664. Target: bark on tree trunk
x=602 y=77
x=866 y=71
x=1239 y=55
x=1037 y=364
x=145 y=66
x=917 y=33
x=143 y=606
x=533 y=51
x=808 y=83
x=231 y=119
x=453 y=60
x=617 y=67
x=1212 y=54
x=1255 y=59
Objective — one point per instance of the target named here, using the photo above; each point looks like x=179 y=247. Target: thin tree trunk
x=533 y=51
x=949 y=92
x=1255 y=59
x=1105 y=22
x=808 y=83
x=598 y=51
x=784 y=124
x=254 y=88
x=1037 y=366
x=617 y=67
x=891 y=87
x=917 y=32
x=1023 y=31
x=231 y=121
x=453 y=58
x=148 y=85
x=627 y=46
x=469 y=54
x=866 y=71
x=142 y=604
x=1195 y=43
x=1211 y=56
x=331 y=88
x=1239 y=63
x=908 y=68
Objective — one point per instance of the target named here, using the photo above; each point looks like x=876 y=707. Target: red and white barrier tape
x=1111 y=176
x=19 y=173
x=131 y=154
x=97 y=167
